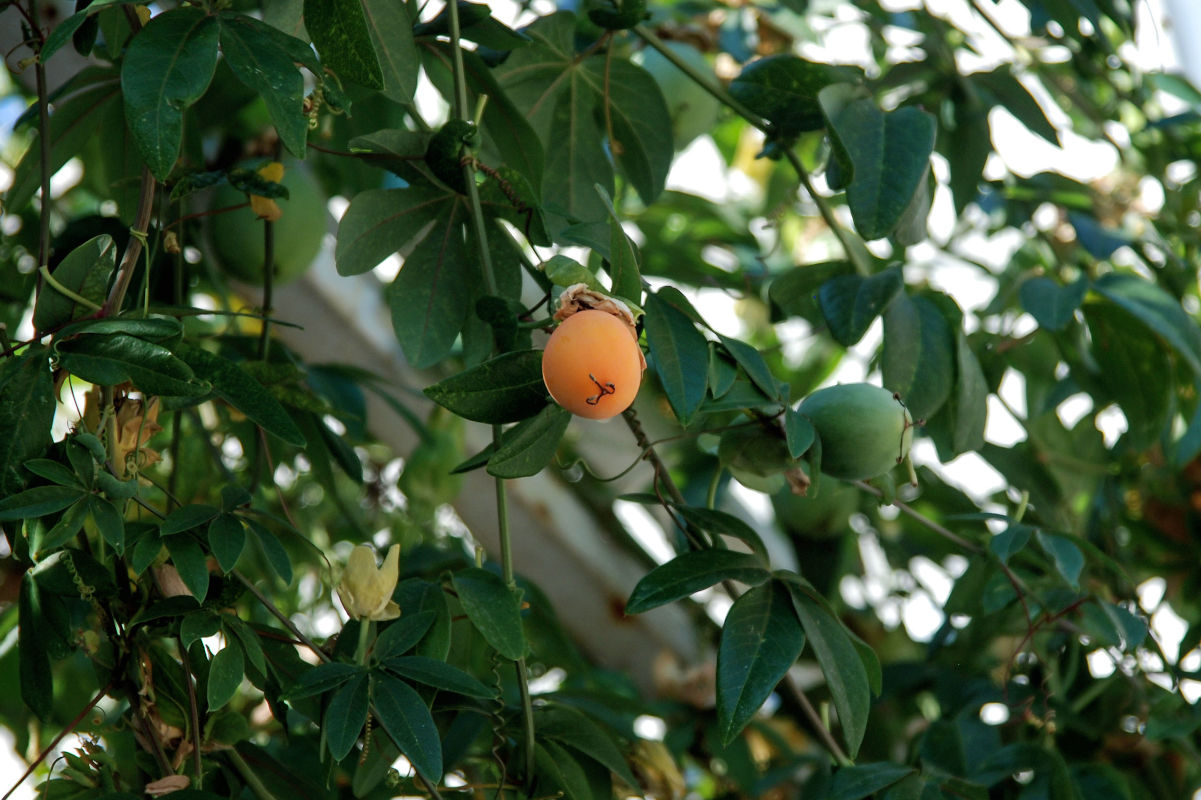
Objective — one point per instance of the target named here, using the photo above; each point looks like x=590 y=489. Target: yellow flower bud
x=365 y=589
x=265 y=207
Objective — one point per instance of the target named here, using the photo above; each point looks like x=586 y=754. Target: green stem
x=268 y=269
x=360 y=652
x=706 y=82
x=39 y=71
x=44 y=271
x=481 y=237
x=855 y=254
x=252 y=780
x=281 y=616
x=129 y=261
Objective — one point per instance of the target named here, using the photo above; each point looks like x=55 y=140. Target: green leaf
x=403 y=634
x=871 y=663
x=1009 y=542
x=197 y=625
x=969 y=401
x=108 y=521
x=575 y=729
x=917 y=362
x=167 y=67
x=73 y=121
x=560 y=97
x=863 y=780
x=161 y=330
x=431 y=297
x=26 y=413
x=530 y=445
x=760 y=641
x=1069 y=561
x=575 y=150
x=641 y=124
x=1156 y=309
x=783 y=89
x=53 y=472
x=679 y=354
x=322 y=678
x=275 y=554
x=506 y=388
x=191 y=562
x=225 y=675
x=967 y=146
x=1053 y=306
x=720 y=523
x=340 y=32
x=752 y=363
x=260 y=62
x=564 y=271
x=227 y=539
x=890 y=152
x=416 y=596
x=493 y=609
x=246 y=636
x=690 y=573
x=187 y=518
x=1133 y=368
x=346 y=715
x=85 y=271
x=379 y=222
x=33 y=655
x=841 y=664
x=849 y=303
x=146 y=550
x=68 y=525
x=116 y=358
x=38 y=502
x=798 y=432
x=392 y=38
x=407 y=720
x=622 y=257
x=238 y=388
x=67 y=28
x=795 y=291
x=1004 y=89
x=557 y=767
x=438 y=674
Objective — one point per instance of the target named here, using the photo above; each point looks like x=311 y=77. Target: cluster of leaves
x=142 y=557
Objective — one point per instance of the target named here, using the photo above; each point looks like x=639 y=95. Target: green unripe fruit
x=824 y=516
x=865 y=430
x=693 y=110
x=237 y=236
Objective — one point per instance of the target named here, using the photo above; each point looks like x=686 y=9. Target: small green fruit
x=824 y=516
x=693 y=110
x=865 y=430
x=237 y=236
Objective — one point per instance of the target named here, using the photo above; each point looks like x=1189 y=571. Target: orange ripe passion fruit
x=592 y=365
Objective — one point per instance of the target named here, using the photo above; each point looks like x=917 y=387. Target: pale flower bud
x=365 y=589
